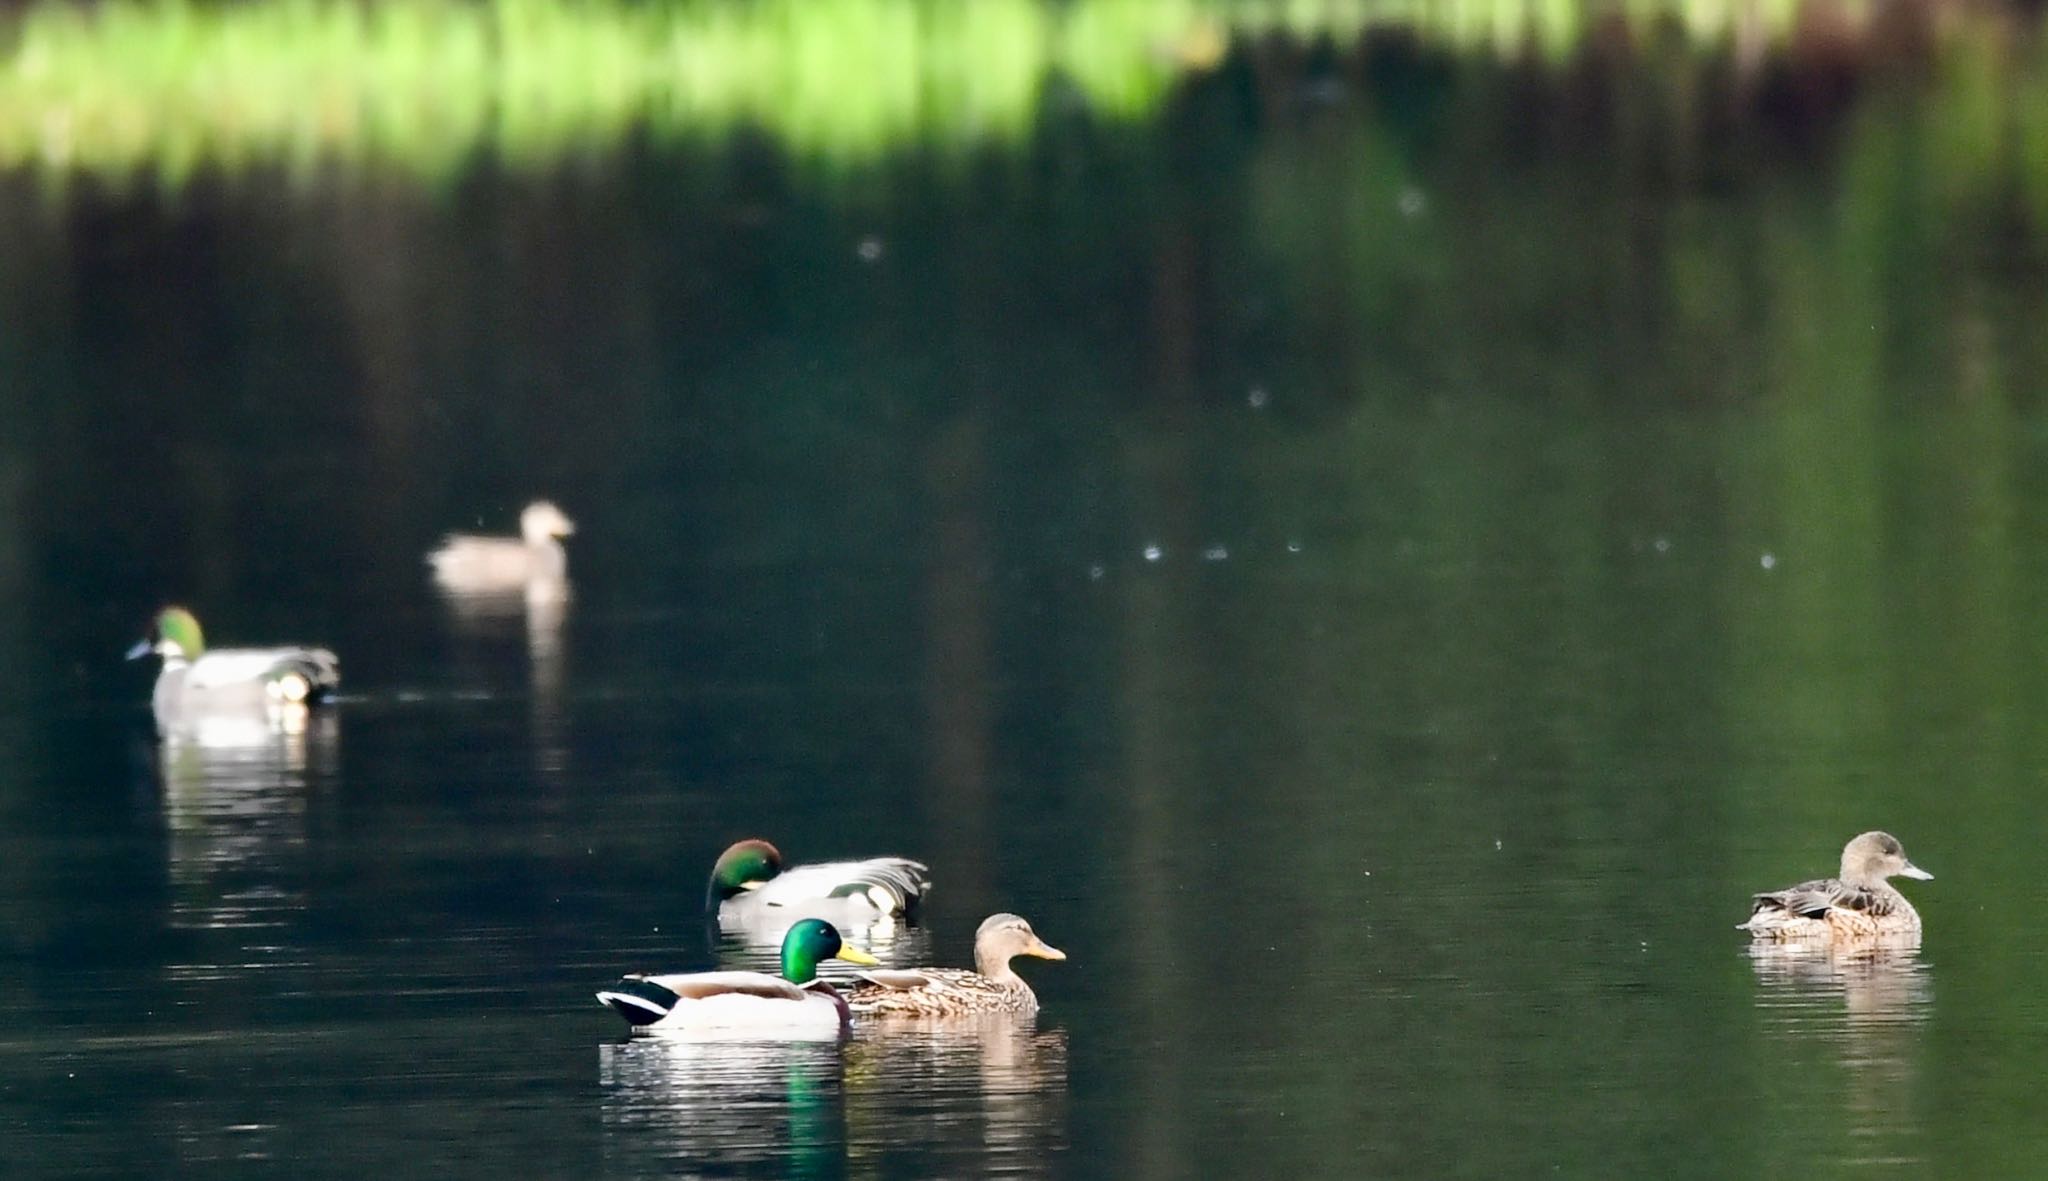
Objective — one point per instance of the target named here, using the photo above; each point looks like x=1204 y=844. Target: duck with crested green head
x=751 y=887
x=745 y=1003
x=195 y=681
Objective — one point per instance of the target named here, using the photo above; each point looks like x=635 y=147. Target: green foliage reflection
x=165 y=85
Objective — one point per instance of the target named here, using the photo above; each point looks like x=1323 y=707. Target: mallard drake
x=195 y=682
x=796 y=1001
x=749 y=885
x=1859 y=904
x=992 y=987
x=470 y=563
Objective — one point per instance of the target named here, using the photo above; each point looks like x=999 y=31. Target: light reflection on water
x=1867 y=1007
x=487 y=623
x=235 y=794
x=983 y=1097
x=984 y=1094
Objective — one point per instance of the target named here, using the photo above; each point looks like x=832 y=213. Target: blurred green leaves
x=163 y=86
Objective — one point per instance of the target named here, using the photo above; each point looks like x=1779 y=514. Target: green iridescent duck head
x=748 y=865
x=810 y=943
x=174 y=636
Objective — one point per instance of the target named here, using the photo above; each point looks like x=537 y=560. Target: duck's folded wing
x=1811 y=899
x=639 y=1001
x=326 y=669
x=1875 y=903
x=645 y=1000
x=897 y=980
x=697 y=986
x=237 y=666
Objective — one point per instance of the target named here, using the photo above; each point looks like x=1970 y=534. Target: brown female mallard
x=991 y=987
x=1860 y=904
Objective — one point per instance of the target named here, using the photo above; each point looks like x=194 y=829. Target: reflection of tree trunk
x=1175 y=317
x=36 y=306
x=1154 y=741
x=1154 y=722
x=957 y=656
x=547 y=606
x=378 y=262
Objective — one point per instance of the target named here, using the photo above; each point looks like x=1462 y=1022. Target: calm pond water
x=1376 y=557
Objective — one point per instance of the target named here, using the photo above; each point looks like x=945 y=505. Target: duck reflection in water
x=1869 y=1000
x=683 y=1101
x=235 y=794
x=960 y=1097
x=492 y=615
x=976 y=1093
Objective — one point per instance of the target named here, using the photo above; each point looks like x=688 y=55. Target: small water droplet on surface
x=1153 y=553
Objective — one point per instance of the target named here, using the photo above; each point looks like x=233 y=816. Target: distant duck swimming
x=992 y=987
x=749 y=884
x=470 y=563
x=1860 y=904
x=795 y=1003
x=194 y=682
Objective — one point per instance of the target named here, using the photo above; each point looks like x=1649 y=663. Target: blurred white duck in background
x=476 y=564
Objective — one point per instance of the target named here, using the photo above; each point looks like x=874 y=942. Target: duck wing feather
x=899 y=880
x=697 y=986
x=1815 y=898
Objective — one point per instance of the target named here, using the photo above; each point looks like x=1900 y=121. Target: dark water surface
x=1376 y=560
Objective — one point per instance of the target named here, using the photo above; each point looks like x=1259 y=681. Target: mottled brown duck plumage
x=991 y=987
x=1860 y=904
